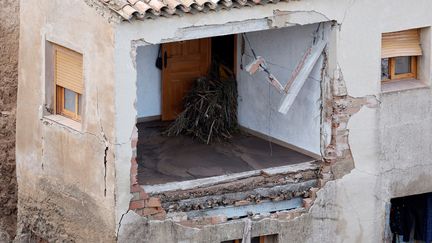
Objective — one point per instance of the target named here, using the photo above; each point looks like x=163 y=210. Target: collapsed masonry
x=284 y=193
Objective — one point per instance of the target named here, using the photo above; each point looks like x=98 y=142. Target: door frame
x=164 y=59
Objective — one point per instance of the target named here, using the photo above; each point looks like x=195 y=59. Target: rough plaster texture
x=65 y=175
x=344 y=210
x=390 y=144
x=9 y=33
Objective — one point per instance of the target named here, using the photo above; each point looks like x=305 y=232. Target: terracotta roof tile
x=143 y=9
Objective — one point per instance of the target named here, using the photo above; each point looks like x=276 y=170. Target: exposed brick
x=136 y=204
x=154 y=202
x=143 y=195
x=134 y=170
x=134 y=142
x=136 y=188
x=218 y=219
x=307 y=203
x=151 y=211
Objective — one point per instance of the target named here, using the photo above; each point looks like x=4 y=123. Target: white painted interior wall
x=259 y=103
x=148 y=82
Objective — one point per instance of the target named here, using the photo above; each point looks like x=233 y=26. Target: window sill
x=401 y=85
x=64 y=121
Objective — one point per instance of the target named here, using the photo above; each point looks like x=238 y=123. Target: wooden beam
x=305 y=68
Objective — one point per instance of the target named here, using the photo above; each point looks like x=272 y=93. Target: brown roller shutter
x=69 y=69
x=401 y=43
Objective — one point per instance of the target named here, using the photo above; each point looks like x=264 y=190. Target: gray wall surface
x=148 y=82
x=259 y=101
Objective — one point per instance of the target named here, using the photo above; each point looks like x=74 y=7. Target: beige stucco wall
x=390 y=144
x=61 y=172
x=65 y=176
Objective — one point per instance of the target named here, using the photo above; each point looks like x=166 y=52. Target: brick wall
x=141 y=203
x=9 y=33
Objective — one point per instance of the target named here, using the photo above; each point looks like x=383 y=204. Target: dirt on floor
x=9 y=32
x=163 y=159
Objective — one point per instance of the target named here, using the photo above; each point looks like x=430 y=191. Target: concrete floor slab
x=164 y=159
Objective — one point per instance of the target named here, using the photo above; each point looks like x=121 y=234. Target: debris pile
x=210 y=109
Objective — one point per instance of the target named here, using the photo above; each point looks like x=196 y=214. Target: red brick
x=143 y=195
x=151 y=211
x=218 y=219
x=134 y=170
x=134 y=142
x=136 y=204
x=307 y=203
x=136 y=188
x=154 y=202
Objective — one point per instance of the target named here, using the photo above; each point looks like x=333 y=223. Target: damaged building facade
x=333 y=114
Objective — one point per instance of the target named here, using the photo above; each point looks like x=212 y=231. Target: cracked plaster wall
x=344 y=210
x=65 y=176
x=351 y=208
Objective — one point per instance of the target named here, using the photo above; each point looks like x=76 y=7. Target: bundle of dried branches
x=210 y=110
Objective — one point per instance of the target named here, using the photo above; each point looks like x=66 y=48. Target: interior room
x=248 y=133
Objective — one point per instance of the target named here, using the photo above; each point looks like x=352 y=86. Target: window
x=68 y=78
x=399 y=54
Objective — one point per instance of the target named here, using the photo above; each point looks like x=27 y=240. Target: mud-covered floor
x=164 y=159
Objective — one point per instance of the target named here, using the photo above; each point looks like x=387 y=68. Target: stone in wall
x=9 y=33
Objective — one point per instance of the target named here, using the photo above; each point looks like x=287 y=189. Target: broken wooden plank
x=206 y=182
x=255 y=65
x=259 y=64
x=304 y=70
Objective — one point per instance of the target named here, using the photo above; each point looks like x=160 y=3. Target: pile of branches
x=210 y=110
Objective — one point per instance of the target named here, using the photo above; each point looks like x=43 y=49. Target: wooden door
x=183 y=62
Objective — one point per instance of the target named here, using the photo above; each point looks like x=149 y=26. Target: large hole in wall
x=264 y=139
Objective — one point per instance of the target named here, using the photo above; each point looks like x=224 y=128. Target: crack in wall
x=105 y=170
x=120 y=224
